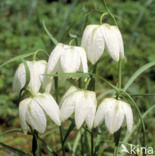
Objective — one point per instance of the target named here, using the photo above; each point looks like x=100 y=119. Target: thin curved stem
x=60 y=128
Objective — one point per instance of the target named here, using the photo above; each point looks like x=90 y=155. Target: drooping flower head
x=114 y=111
x=32 y=112
x=80 y=102
x=37 y=69
x=65 y=59
x=98 y=37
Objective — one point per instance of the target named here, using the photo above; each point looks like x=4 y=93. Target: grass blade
x=69 y=75
x=15 y=150
x=137 y=73
x=49 y=34
x=16 y=59
x=11 y=131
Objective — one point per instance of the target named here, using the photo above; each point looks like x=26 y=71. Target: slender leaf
x=17 y=58
x=129 y=134
x=69 y=75
x=106 y=81
x=71 y=127
x=137 y=73
x=49 y=34
x=66 y=21
x=139 y=113
x=15 y=150
x=27 y=78
x=11 y=131
x=48 y=146
x=76 y=142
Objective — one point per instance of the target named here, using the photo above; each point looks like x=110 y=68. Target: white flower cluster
x=83 y=103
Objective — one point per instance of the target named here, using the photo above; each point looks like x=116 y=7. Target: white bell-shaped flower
x=82 y=103
x=98 y=37
x=32 y=112
x=65 y=59
x=114 y=111
x=37 y=69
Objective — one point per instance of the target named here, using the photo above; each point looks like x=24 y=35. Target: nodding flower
x=82 y=103
x=114 y=111
x=37 y=69
x=32 y=112
x=96 y=38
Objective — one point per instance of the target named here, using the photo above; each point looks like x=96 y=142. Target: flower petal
x=111 y=41
x=128 y=114
x=54 y=58
x=37 y=70
x=68 y=104
x=100 y=114
x=114 y=116
x=23 y=108
x=91 y=102
x=120 y=41
x=70 y=59
x=84 y=65
x=93 y=42
x=19 y=78
x=49 y=105
x=36 y=117
x=81 y=110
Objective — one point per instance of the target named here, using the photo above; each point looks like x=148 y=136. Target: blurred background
x=21 y=31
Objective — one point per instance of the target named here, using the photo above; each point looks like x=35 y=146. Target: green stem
x=61 y=139
x=119 y=77
x=102 y=16
x=81 y=139
x=118 y=133
x=36 y=53
x=35 y=144
x=119 y=73
x=113 y=17
x=140 y=116
x=92 y=143
x=60 y=128
x=91 y=86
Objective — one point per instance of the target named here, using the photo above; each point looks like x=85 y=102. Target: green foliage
x=22 y=32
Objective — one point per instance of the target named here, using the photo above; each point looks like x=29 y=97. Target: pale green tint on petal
x=128 y=114
x=111 y=41
x=100 y=114
x=23 y=108
x=54 y=58
x=98 y=44
x=114 y=116
x=37 y=70
x=68 y=103
x=19 y=79
x=120 y=40
x=36 y=117
x=47 y=83
x=50 y=107
x=69 y=92
x=70 y=59
x=91 y=107
x=88 y=42
x=81 y=110
x=83 y=57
